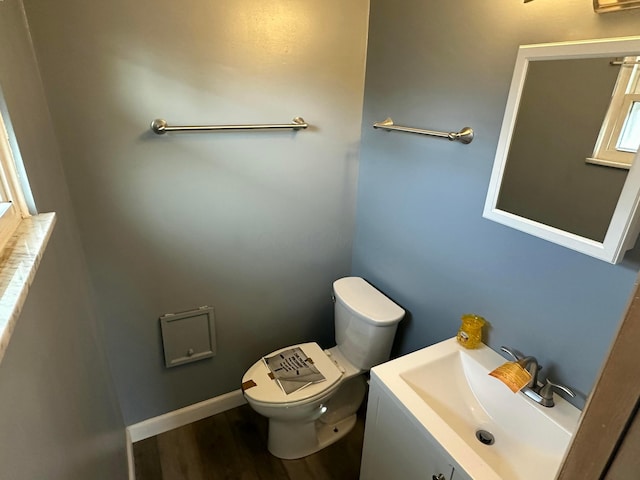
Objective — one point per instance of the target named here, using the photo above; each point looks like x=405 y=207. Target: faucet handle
x=509 y=352
x=546 y=393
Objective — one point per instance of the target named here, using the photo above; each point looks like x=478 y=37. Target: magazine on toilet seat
x=293 y=370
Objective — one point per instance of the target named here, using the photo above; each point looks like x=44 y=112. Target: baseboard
x=184 y=416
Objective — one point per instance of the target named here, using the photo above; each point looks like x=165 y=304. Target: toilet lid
x=258 y=386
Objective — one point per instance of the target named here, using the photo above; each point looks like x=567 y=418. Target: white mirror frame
x=623 y=229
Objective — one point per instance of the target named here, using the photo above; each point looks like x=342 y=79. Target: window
x=619 y=136
x=13 y=206
x=28 y=234
x=629 y=139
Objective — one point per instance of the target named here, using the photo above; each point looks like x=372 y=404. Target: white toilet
x=306 y=421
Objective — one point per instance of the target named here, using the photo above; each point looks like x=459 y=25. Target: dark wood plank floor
x=233 y=445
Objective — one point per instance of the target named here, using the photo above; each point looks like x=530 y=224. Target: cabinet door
x=395 y=447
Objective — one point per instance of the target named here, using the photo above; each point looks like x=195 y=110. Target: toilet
x=314 y=417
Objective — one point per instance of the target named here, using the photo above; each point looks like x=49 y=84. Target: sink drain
x=485 y=437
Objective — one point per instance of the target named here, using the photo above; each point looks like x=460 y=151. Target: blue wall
x=420 y=235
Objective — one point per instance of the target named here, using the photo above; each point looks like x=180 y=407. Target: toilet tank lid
x=366 y=301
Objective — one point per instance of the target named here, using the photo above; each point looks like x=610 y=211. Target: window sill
x=19 y=261
x=608 y=163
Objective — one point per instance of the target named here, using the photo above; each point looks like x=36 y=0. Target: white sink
x=448 y=391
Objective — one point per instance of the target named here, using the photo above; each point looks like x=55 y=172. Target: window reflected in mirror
x=630 y=137
x=619 y=135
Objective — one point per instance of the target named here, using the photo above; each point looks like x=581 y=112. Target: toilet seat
x=267 y=391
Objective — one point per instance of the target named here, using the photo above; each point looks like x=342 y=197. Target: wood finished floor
x=233 y=445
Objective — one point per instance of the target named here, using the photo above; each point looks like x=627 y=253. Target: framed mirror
x=544 y=179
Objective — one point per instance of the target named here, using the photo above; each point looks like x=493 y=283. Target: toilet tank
x=365 y=322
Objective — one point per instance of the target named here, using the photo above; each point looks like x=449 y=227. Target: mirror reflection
x=620 y=132
x=546 y=177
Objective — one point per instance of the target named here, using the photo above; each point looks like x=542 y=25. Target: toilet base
x=289 y=440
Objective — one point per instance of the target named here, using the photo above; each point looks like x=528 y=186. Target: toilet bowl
x=313 y=417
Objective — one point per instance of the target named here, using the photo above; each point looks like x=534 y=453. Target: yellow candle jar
x=470 y=332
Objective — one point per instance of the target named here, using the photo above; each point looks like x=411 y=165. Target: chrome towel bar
x=464 y=136
x=160 y=126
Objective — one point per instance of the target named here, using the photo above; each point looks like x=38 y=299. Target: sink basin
x=491 y=432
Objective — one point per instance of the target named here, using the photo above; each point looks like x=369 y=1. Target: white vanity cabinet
x=397 y=447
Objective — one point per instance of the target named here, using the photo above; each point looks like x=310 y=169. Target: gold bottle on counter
x=470 y=332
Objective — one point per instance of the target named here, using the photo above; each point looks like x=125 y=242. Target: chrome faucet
x=546 y=393
x=535 y=390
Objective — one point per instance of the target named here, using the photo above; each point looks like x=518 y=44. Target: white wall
x=255 y=224
x=59 y=417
